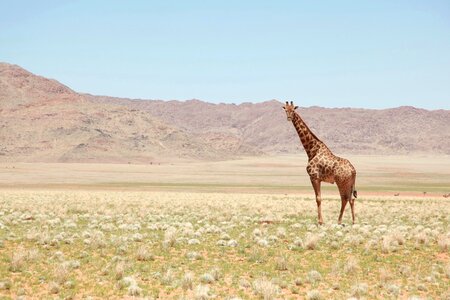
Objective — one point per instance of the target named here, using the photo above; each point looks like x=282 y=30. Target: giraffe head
x=290 y=110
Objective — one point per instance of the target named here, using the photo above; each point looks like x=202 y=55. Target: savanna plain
x=237 y=229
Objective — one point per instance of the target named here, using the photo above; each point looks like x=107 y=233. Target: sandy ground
x=409 y=176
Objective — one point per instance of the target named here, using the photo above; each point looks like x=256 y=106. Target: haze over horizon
x=334 y=54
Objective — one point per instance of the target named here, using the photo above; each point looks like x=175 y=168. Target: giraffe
x=324 y=166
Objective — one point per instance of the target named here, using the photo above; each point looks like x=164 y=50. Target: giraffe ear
x=296 y=107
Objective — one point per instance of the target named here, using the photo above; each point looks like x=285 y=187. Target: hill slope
x=43 y=120
x=263 y=125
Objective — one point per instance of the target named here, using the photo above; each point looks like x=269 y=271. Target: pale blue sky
x=372 y=54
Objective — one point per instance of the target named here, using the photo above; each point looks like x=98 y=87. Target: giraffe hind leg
x=346 y=191
x=352 y=206
x=353 y=193
x=341 y=213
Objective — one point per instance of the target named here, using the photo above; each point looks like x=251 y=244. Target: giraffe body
x=323 y=165
x=327 y=167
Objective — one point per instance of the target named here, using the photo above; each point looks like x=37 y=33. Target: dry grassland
x=243 y=229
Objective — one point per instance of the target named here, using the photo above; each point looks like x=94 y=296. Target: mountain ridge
x=44 y=120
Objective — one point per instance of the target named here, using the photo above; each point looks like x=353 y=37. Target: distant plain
x=384 y=175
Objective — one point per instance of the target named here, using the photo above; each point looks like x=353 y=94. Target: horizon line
x=243 y=102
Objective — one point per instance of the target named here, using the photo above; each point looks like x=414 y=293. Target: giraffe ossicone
x=324 y=166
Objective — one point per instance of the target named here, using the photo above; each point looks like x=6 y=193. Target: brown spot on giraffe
x=324 y=166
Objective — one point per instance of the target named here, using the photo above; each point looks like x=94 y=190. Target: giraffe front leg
x=316 y=186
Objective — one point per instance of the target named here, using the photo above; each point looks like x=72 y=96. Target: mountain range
x=42 y=120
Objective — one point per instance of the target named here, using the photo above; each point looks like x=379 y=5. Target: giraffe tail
x=354 y=191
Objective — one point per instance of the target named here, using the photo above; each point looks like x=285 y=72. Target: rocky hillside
x=346 y=130
x=43 y=120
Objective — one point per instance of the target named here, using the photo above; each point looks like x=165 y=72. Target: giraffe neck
x=310 y=142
